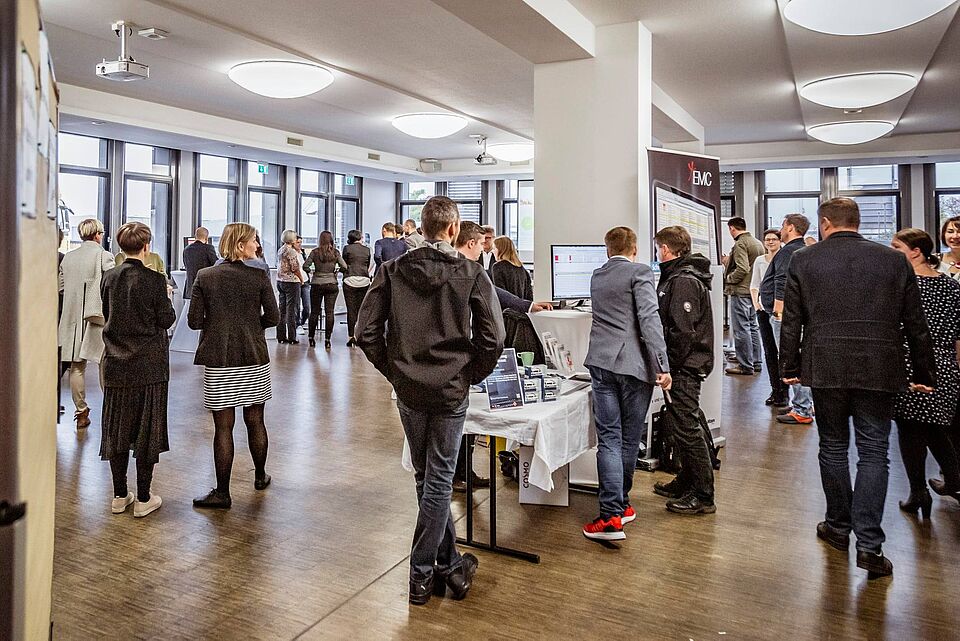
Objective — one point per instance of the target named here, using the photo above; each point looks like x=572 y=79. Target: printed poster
x=504 y=388
x=27 y=152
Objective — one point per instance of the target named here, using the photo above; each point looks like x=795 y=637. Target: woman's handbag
x=92 y=301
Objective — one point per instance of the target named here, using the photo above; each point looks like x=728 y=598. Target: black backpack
x=664 y=445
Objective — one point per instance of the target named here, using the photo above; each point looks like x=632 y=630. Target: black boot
x=420 y=591
x=918 y=501
x=690 y=503
x=671 y=490
x=874 y=563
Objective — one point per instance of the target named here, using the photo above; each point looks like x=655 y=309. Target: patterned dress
x=940 y=299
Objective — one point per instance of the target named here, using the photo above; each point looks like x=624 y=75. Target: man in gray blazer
x=626 y=357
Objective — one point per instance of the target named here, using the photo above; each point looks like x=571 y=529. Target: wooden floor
x=323 y=553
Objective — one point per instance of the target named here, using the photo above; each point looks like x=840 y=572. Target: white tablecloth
x=570 y=327
x=559 y=431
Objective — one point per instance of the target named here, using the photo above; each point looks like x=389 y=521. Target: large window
x=219 y=186
x=312 y=187
x=947 y=193
x=84 y=182
x=517 y=214
x=346 y=209
x=469 y=199
x=791 y=191
x=264 y=194
x=147 y=192
x=412 y=198
x=876 y=189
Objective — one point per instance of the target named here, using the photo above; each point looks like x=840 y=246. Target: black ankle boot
x=941 y=488
x=918 y=501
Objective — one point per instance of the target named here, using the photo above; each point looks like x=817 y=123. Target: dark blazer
x=849 y=304
x=196 y=256
x=515 y=280
x=626 y=336
x=232 y=304
x=493 y=261
x=138 y=314
x=775 y=278
x=357 y=257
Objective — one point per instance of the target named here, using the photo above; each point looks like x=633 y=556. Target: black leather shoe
x=758 y=369
x=876 y=565
x=690 y=503
x=460 y=580
x=214 y=500
x=770 y=400
x=420 y=591
x=781 y=402
x=477 y=482
x=941 y=488
x=293 y=342
x=739 y=370
x=261 y=482
x=313 y=343
x=671 y=490
x=832 y=538
x=326 y=345
x=918 y=502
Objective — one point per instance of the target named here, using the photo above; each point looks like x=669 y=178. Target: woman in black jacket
x=232 y=304
x=508 y=272
x=356 y=282
x=138 y=313
x=325 y=261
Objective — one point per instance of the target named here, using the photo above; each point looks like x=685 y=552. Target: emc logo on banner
x=699 y=178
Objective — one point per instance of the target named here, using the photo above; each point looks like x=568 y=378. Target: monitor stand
x=571 y=304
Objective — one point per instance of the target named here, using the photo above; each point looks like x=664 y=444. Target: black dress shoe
x=460 y=580
x=293 y=342
x=918 y=502
x=941 y=488
x=214 y=500
x=326 y=345
x=671 y=490
x=477 y=482
x=313 y=343
x=832 y=537
x=280 y=342
x=770 y=400
x=690 y=503
x=781 y=402
x=420 y=591
x=875 y=564
x=261 y=482
x=739 y=370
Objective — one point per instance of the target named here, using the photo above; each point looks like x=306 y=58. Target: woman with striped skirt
x=232 y=304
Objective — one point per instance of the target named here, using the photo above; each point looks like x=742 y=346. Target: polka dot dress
x=940 y=298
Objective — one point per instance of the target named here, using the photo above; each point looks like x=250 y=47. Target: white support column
x=917 y=200
x=592 y=124
x=290 y=203
x=185 y=199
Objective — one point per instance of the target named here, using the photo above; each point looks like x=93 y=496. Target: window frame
x=244 y=214
x=336 y=198
x=935 y=217
x=324 y=214
x=765 y=197
x=171 y=181
x=227 y=186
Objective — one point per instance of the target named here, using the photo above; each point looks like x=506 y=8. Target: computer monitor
x=572 y=266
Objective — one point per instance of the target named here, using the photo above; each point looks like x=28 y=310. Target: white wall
x=379 y=206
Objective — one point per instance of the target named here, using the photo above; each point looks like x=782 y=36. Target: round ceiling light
x=860 y=17
x=281 y=78
x=851 y=132
x=429 y=125
x=511 y=151
x=857 y=91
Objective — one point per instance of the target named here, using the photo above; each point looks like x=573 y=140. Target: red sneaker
x=605 y=529
x=792 y=418
x=629 y=515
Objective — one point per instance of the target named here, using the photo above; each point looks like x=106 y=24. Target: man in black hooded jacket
x=687 y=318
x=431 y=324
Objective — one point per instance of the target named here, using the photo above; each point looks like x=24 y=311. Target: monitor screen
x=674 y=207
x=572 y=266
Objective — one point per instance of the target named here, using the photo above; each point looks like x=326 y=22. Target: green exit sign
x=263 y=168
x=351 y=181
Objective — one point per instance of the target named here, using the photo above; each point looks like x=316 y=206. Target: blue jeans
x=746 y=331
x=304 y=304
x=434 y=439
x=802 y=400
x=620 y=404
x=858 y=507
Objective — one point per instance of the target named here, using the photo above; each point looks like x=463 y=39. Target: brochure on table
x=504 y=388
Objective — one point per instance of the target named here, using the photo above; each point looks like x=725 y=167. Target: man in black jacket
x=196 y=256
x=687 y=318
x=431 y=324
x=849 y=305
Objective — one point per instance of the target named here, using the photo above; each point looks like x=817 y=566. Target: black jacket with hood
x=431 y=324
x=686 y=314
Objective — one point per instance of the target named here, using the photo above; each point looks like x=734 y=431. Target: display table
x=569 y=326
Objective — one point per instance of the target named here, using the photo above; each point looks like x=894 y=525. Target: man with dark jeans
x=687 y=318
x=626 y=357
x=737 y=274
x=849 y=306
x=431 y=324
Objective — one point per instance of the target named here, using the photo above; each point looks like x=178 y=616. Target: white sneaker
x=140 y=510
x=119 y=505
x=301 y=330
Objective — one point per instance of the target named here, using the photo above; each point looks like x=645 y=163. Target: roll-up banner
x=685 y=191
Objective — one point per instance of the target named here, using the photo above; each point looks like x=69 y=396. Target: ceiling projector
x=124 y=68
x=483 y=158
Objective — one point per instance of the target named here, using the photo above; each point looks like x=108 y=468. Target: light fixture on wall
x=850 y=132
x=429 y=125
x=860 y=17
x=856 y=91
x=281 y=78
x=511 y=151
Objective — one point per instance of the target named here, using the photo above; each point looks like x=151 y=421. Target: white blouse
x=759 y=269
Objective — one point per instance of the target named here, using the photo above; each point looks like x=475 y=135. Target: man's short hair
x=398 y=230
x=202 y=233
x=620 y=241
x=387 y=227
x=133 y=237
x=410 y=222
x=469 y=230
x=488 y=229
x=89 y=228
x=438 y=213
x=841 y=212
x=676 y=238
x=800 y=222
x=354 y=236
x=737 y=223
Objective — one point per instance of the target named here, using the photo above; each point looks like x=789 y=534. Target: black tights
x=223 y=442
x=118 y=466
x=915 y=438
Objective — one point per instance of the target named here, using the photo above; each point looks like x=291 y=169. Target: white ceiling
x=733 y=65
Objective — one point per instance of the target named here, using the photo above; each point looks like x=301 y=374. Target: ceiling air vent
x=296 y=142
x=372 y=156
x=524 y=163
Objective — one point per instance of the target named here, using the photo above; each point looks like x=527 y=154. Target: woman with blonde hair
x=136 y=369
x=80 y=333
x=232 y=304
x=289 y=280
x=508 y=272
